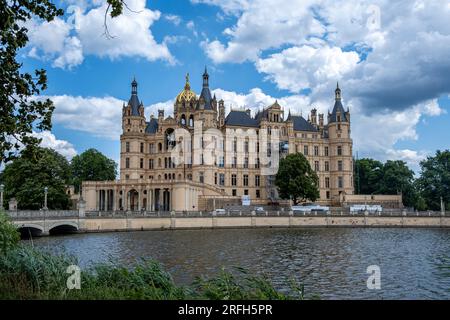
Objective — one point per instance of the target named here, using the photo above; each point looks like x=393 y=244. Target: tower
x=132 y=140
x=340 y=145
x=206 y=110
x=185 y=105
x=314 y=116
x=221 y=113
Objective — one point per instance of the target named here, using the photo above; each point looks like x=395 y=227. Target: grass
x=29 y=273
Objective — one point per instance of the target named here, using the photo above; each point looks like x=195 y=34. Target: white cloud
x=191 y=26
x=49 y=140
x=176 y=20
x=403 y=47
x=264 y=25
x=228 y=6
x=100 y=117
x=83 y=33
x=309 y=66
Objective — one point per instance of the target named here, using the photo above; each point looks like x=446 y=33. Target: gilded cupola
x=187 y=95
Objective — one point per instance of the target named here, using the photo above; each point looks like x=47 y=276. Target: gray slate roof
x=152 y=126
x=240 y=118
x=338 y=108
x=206 y=94
x=134 y=103
x=300 y=124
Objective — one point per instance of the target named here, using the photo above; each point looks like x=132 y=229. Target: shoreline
x=125 y=224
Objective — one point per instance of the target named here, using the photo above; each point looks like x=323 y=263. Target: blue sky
x=397 y=87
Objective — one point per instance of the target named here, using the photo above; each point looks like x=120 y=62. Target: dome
x=187 y=94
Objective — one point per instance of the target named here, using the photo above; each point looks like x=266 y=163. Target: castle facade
x=200 y=158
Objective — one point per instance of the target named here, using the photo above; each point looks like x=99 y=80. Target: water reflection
x=414 y=263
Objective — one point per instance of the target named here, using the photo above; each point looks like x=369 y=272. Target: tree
x=398 y=178
x=434 y=180
x=26 y=177
x=368 y=174
x=20 y=112
x=92 y=165
x=296 y=180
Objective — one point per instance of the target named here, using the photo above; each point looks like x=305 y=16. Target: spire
x=338 y=108
x=337 y=92
x=134 y=86
x=187 y=86
x=134 y=100
x=206 y=94
x=205 y=78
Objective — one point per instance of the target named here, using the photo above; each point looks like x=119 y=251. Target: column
x=114 y=199
x=147 y=208
x=160 y=198
x=106 y=199
x=124 y=199
x=97 y=195
x=139 y=199
x=170 y=199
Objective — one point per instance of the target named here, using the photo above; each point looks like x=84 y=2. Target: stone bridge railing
x=70 y=214
x=42 y=214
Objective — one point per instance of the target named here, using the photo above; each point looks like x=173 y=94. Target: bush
x=241 y=285
x=9 y=236
x=28 y=273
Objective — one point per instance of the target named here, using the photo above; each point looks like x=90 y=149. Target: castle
x=199 y=158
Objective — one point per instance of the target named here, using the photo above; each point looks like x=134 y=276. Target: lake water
x=414 y=263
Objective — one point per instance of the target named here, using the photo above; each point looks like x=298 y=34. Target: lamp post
x=2 y=188
x=45 y=198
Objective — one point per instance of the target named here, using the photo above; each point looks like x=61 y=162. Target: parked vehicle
x=220 y=212
x=259 y=210
x=310 y=207
x=362 y=208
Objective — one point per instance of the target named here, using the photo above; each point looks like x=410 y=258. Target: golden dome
x=187 y=94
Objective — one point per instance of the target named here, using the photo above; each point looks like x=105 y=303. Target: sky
x=391 y=60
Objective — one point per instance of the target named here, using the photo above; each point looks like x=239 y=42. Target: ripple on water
x=415 y=263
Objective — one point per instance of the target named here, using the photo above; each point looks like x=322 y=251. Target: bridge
x=48 y=222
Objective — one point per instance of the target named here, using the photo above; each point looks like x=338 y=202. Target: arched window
x=160 y=146
x=183 y=120
x=191 y=120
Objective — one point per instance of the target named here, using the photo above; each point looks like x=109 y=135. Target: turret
x=321 y=120
x=221 y=113
x=133 y=119
x=314 y=116
x=340 y=146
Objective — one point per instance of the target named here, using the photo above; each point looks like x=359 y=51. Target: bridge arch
x=63 y=227
x=30 y=230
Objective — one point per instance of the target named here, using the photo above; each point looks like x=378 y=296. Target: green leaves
x=9 y=237
x=296 y=179
x=20 y=113
x=434 y=181
x=26 y=177
x=93 y=166
x=393 y=177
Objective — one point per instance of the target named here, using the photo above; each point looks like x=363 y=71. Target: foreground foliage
x=28 y=273
x=9 y=237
